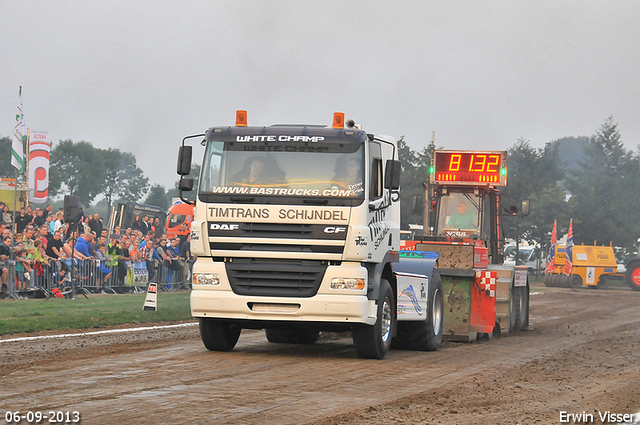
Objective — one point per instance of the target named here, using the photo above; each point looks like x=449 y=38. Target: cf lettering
x=335 y=229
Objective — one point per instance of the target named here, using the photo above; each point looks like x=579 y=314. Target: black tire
x=523 y=310
x=373 y=342
x=425 y=335
x=277 y=336
x=292 y=336
x=632 y=276
x=549 y=280
x=219 y=335
x=519 y=308
x=603 y=282
x=558 y=280
x=574 y=281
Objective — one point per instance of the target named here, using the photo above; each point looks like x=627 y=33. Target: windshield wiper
x=244 y=200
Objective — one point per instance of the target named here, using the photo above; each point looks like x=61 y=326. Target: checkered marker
x=487 y=281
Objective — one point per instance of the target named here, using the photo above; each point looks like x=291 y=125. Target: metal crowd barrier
x=93 y=276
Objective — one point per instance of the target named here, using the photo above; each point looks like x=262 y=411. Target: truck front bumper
x=320 y=308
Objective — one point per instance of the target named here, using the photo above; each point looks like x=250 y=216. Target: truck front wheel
x=219 y=335
x=373 y=342
x=425 y=335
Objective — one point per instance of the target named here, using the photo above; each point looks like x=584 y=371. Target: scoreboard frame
x=468 y=167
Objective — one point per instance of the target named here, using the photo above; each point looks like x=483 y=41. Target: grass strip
x=99 y=311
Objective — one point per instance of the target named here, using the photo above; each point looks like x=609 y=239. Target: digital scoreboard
x=473 y=168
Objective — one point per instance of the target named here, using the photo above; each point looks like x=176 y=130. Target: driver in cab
x=349 y=176
x=258 y=171
x=251 y=173
x=462 y=219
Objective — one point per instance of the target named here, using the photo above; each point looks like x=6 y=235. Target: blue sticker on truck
x=431 y=255
x=411 y=294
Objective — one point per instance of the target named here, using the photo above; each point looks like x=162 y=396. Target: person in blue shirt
x=173 y=252
x=82 y=244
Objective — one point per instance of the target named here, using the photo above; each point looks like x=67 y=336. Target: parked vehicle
x=177 y=214
x=592 y=265
x=529 y=256
x=123 y=215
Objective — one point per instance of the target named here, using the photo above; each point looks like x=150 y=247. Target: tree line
x=593 y=180
x=90 y=173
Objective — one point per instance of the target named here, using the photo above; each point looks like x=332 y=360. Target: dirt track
x=582 y=356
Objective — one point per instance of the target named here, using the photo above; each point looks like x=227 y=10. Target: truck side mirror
x=186 y=184
x=184 y=161
x=392 y=174
x=525 y=207
x=416 y=204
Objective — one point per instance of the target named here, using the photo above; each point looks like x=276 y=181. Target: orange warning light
x=338 y=120
x=241 y=118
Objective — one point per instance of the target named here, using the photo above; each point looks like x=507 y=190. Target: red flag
x=568 y=264
x=552 y=251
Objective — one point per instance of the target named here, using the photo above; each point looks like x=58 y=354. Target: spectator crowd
x=39 y=250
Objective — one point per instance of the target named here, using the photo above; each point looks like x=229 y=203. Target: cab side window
x=377 y=177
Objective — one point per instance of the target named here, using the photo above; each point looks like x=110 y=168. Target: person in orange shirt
x=134 y=252
x=182 y=233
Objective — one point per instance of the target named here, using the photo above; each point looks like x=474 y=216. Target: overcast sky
x=140 y=75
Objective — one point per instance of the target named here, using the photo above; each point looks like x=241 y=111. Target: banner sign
x=137 y=273
x=19 y=136
x=39 y=155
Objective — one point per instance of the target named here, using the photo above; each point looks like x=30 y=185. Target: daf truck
x=297 y=230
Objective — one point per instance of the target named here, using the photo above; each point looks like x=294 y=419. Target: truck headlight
x=347 y=283
x=206 y=279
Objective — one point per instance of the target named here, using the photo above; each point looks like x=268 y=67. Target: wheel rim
x=386 y=321
x=437 y=313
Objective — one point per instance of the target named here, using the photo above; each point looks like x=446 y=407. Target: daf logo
x=216 y=226
x=336 y=230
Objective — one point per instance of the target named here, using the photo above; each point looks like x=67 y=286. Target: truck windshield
x=275 y=171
